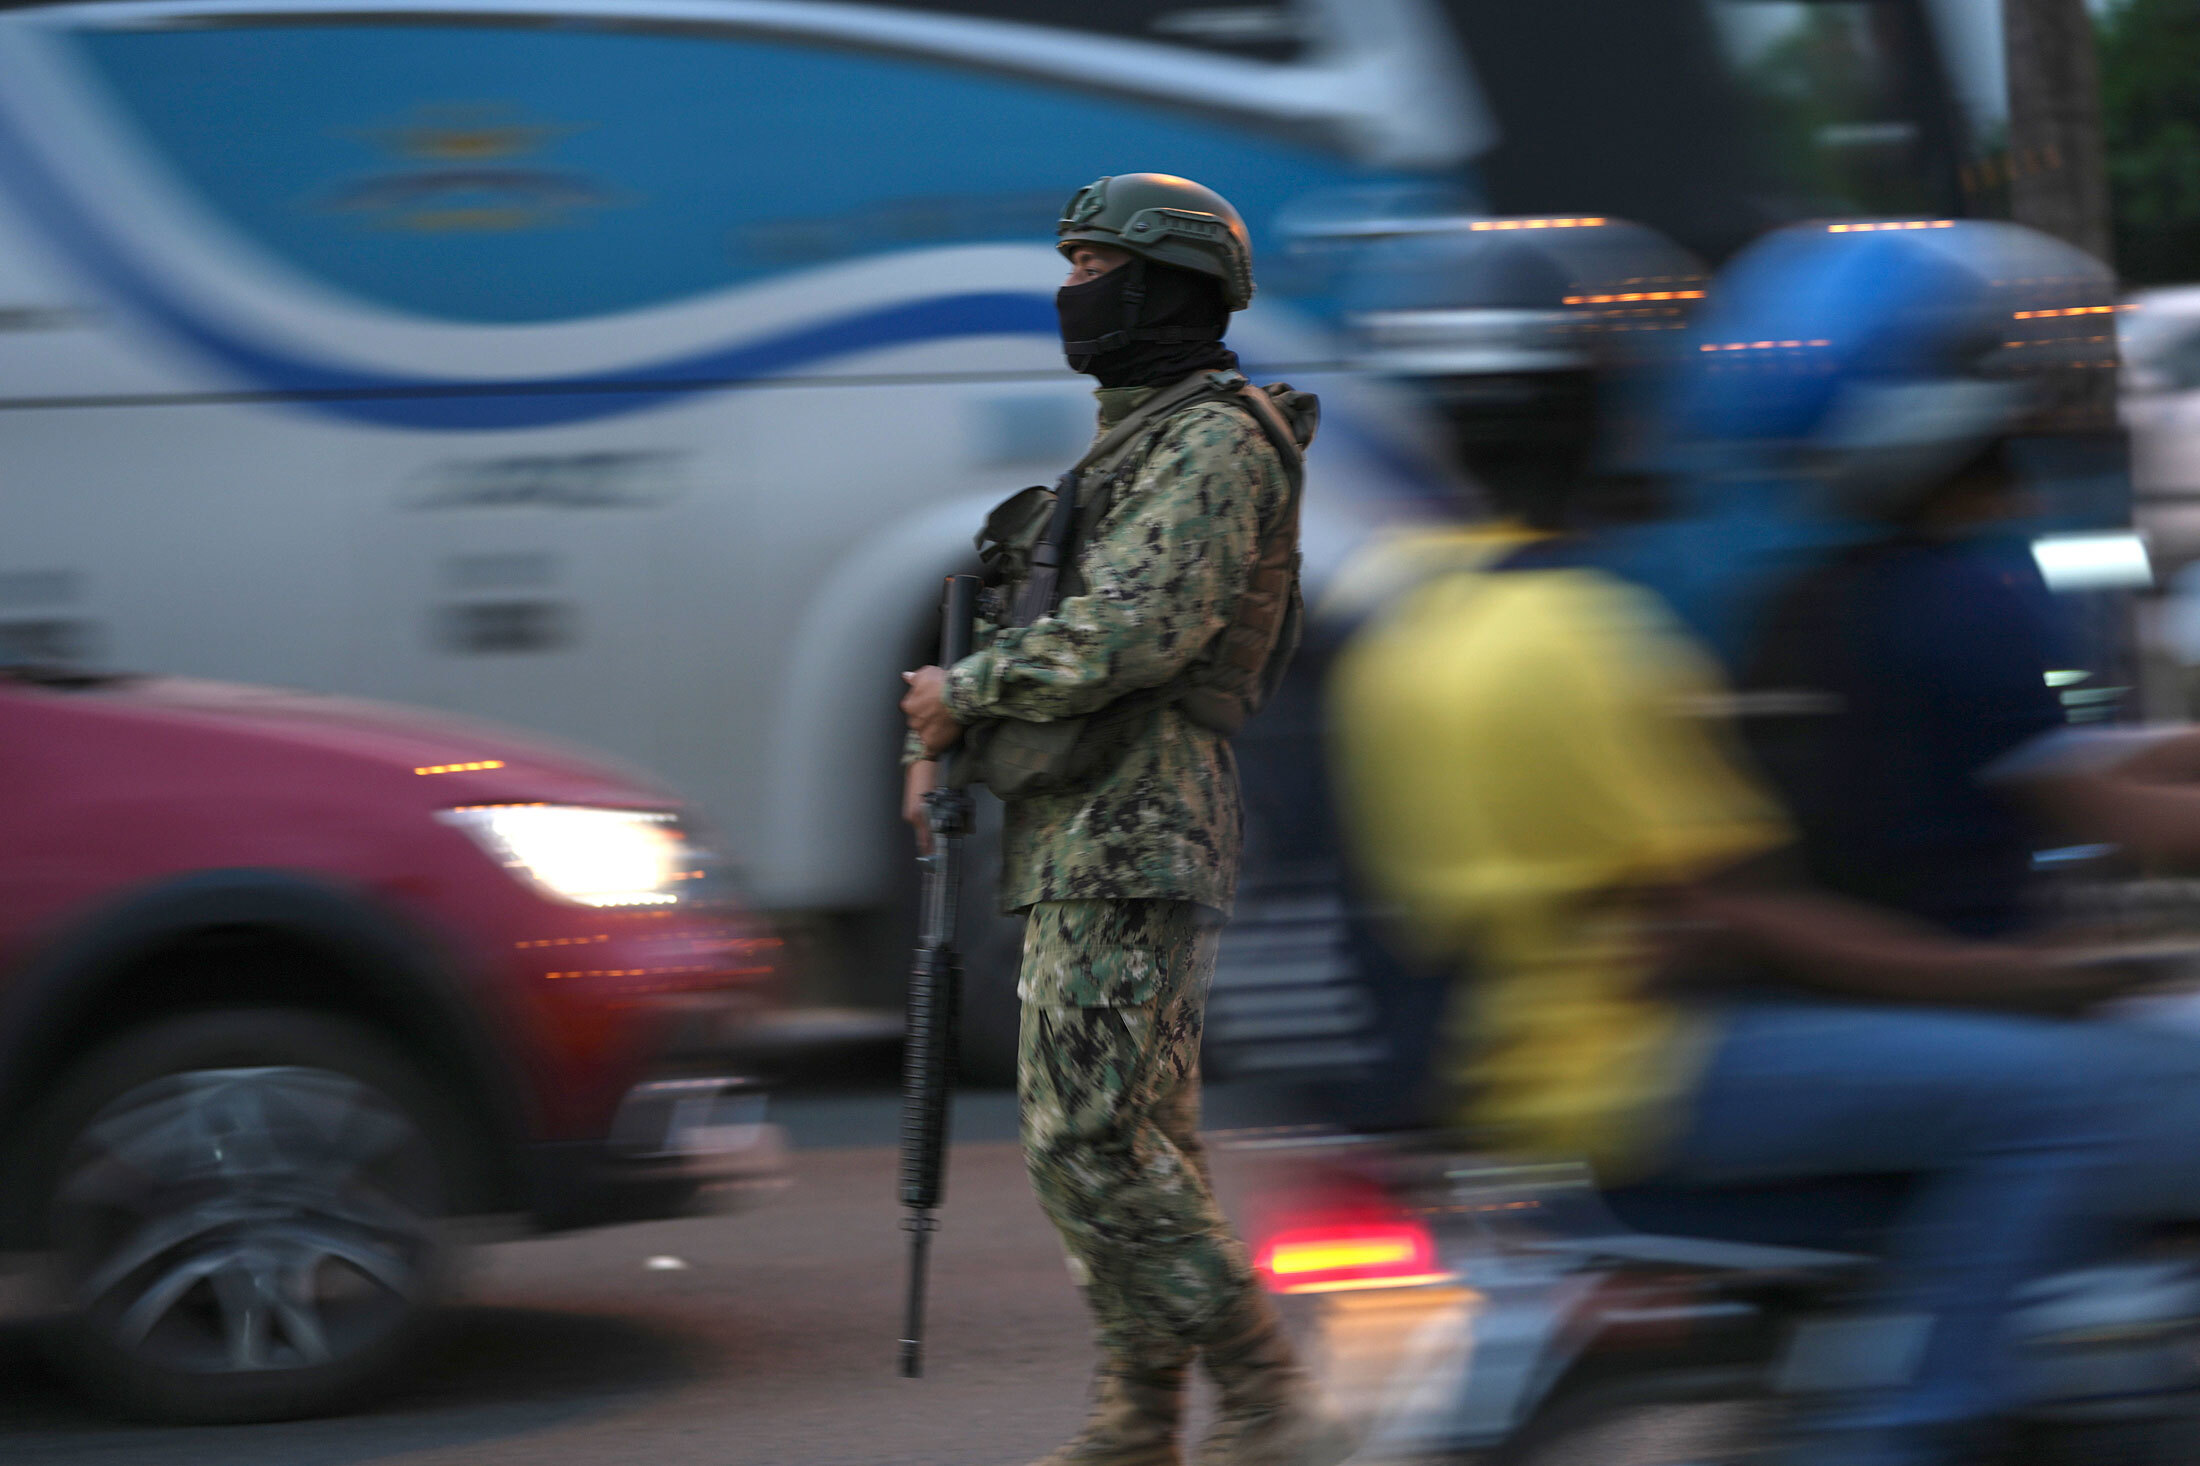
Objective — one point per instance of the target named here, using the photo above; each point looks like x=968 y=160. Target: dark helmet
x=1166 y=219
x=1520 y=331
x=1473 y=297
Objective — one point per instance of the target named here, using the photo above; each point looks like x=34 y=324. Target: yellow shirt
x=1521 y=756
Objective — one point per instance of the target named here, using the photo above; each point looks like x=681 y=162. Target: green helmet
x=1170 y=220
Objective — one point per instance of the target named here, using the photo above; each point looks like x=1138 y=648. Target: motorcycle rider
x=1552 y=768
x=1900 y=697
x=1505 y=330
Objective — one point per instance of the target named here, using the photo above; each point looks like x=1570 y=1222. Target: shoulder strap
x=1280 y=434
x=1075 y=511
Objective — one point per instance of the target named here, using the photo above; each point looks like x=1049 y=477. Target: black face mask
x=1144 y=325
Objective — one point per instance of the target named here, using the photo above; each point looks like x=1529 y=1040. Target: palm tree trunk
x=2058 y=165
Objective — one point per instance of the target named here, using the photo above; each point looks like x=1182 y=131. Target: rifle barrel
x=921 y=1226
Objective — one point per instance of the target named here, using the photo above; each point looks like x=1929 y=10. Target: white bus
x=633 y=369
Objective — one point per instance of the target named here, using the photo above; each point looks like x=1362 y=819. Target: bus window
x=1275 y=32
x=1712 y=121
x=1836 y=91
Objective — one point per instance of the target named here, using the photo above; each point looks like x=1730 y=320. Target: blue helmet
x=1839 y=371
x=1880 y=356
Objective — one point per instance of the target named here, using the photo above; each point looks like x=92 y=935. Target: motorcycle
x=1475 y=1311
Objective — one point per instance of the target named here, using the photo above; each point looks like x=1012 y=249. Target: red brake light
x=1349 y=1255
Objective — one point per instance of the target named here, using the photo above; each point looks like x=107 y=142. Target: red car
x=289 y=982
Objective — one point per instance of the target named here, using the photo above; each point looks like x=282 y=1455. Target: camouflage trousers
x=1114 y=995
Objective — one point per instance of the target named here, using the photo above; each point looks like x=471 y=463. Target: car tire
x=244 y=1215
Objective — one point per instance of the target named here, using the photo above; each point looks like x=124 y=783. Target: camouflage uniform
x=1108 y=1072
x=1162 y=571
x=1127 y=875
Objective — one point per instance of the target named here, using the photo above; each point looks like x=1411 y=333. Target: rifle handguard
x=927 y=1070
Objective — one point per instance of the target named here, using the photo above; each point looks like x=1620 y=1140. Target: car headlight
x=591 y=857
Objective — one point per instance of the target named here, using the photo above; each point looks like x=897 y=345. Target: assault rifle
x=935 y=983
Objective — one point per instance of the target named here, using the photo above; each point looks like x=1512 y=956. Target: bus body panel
x=632 y=384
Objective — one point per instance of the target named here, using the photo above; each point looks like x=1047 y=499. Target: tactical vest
x=1031 y=541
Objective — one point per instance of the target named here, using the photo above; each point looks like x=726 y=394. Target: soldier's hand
x=925 y=707
x=920 y=779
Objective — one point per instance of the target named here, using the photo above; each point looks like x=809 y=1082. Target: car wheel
x=244 y=1212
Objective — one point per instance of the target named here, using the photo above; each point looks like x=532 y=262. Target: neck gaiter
x=1144 y=325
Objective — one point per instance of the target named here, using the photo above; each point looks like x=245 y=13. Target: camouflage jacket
x=1163 y=570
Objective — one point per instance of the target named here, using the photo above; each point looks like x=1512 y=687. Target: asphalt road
x=771 y=1342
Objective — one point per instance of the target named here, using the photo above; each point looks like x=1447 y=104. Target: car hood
x=484 y=760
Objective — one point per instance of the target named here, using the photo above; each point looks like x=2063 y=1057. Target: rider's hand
x=921 y=779
x=2032 y=979
x=1817 y=940
x=2088 y=975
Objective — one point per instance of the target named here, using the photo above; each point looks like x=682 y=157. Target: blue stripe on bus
x=402 y=401
x=416 y=402
x=493 y=174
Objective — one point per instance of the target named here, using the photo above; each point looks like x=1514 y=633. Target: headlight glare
x=591 y=857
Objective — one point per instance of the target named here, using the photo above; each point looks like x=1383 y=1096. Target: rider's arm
x=1162 y=572
x=2147 y=802
x=1988 y=662
x=1840 y=946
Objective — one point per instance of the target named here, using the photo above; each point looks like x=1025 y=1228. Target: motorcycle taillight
x=1343 y=1255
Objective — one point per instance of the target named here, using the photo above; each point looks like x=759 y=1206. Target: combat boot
x=1267 y=1414
x=1134 y=1419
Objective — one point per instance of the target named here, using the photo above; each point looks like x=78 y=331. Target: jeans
x=2040 y=1144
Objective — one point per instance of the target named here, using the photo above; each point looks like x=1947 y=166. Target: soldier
x=1103 y=721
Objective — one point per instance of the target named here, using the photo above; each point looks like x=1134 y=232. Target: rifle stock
x=935 y=991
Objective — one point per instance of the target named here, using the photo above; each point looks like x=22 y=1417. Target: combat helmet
x=1166 y=219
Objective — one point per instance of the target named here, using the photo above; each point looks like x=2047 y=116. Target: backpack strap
x=1245 y=664
x=1289 y=440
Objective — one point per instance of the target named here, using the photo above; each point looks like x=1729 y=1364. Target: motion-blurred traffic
x=1708 y=979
